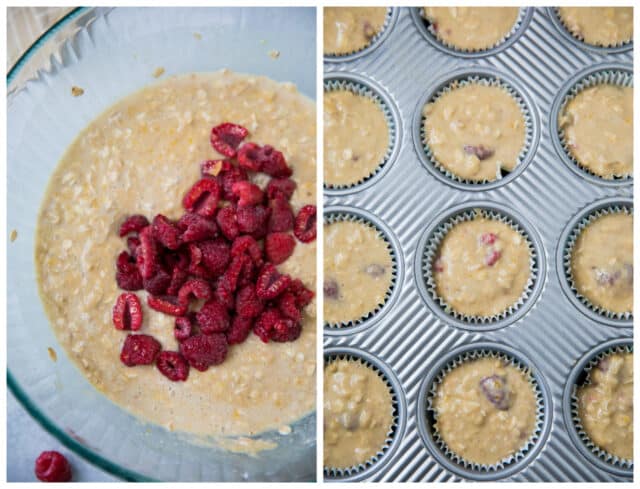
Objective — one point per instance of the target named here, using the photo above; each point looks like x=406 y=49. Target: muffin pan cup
x=542 y=196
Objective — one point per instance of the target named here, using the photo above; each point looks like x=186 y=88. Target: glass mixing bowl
x=111 y=53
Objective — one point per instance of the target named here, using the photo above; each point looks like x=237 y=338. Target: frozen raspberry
x=250 y=157
x=215 y=255
x=195 y=227
x=52 y=466
x=480 y=151
x=247 y=244
x=271 y=283
x=127 y=312
x=331 y=289
x=178 y=278
x=303 y=295
x=488 y=238
x=278 y=247
x=139 y=349
x=196 y=268
x=492 y=257
x=286 y=330
x=167 y=305
x=183 y=328
x=274 y=164
x=132 y=245
x=239 y=331
x=166 y=232
x=280 y=187
x=202 y=351
x=127 y=274
x=147 y=255
x=253 y=220
x=213 y=168
x=203 y=197
x=158 y=284
x=248 y=193
x=265 y=323
x=248 y=275
x=281 y=218
x=195 y=287
x=173 y=366
x=227 y=178
x=213 y=318
x=495 y=391
x=228 y=222
x=133 y=224
x=288 y=306
x=248 y=304
x=224 y=296
x=305 y=225
x=232 y=274
x=226 y=137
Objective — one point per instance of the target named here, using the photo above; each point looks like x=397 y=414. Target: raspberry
x=480 y=151
x=253 y=220
x=183 y=328
x=265 y=323
x=139 y=349
x=286 y=330
x=127 y=312
x=278 y=247
x=127 y=274
x=227 y=178
x=167 y=305
x=165 y=232
x=178 y=278
x=247 y=244
x=271 y=283
x=305 y=226
x=226 y=137
x=147 y=254
x=158 y=284
x=173 y=366
x=194 y=287
x=203 y=197
x=232 y=274
x=280 y=187
x=132 y=245
x=248 y=274
x=133 y=224
x=248 y=305
x=212 y=168
x=492 y=257
x=281 y=218
x=224 y=296
x=274 y=163
x=488 y=238
x=271 y=325
x=438 y=265
x=240 y=329
x=195 y=227
x=331 y=289
x=288 y=307
x=250 y=157
x=303 y=295
x=52 y=466
x=215 y=255
x=227 y=220
x=248 y=193
x=201 y=351
x=195 y=264
x=213 y=318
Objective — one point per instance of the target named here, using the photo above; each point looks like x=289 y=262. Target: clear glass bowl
x=111 y=53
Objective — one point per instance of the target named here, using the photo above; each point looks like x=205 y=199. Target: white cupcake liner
x=554 y=12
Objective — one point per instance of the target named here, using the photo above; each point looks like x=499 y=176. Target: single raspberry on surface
x=303 y=295
x=288 y=306
x=173 y=366
x=52 y=466
x=133 y=224
x=127 y=312
x=183 y=328
x=274 y=164
x=305 y=225
x=227 y=178
x=195 y=227
x=203 y=197
x=286 y=330
x=248 y=304
x=239 y=331
x=278 y=247
x=202 y=351
x=167 y=305
x=248 y=193
x=213 y=168
x=139 y=349
x=271 y=283
x=226 y=137
x=213 y=318
x=488 y=238
x=281 y=187
x=158 y=284
x=227 y=220
x=147 y=253
x=247 y=244
x=215 y=255
x=166 y=232
x=127 y=273
x=281 y=218
x=194 y=287
x=265 y=323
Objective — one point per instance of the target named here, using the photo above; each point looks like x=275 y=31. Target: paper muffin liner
x=516 y=29
x=559 y=21
x=488 y=81
x=430 y=254
x=604 y=456
x=332 y=217
x=585 y=221
x=363 y=90
x=337 y=473
x=432 y=414
x=605 y=77
x=372 y=42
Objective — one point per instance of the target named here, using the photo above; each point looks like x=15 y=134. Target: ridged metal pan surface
x=410 y=338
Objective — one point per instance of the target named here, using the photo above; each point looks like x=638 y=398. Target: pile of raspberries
x=213 y=254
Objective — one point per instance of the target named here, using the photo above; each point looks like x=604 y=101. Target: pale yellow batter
x=598 y=128
x=602 y=262
x=485 y=410
x=471 y=28
x=600 y=26
x=605 y=405
x=358 y=413
x=475 y=131
x=356 y=137
x=141 y=156
x=350 y=29
x=482 y=267
x=357 y=271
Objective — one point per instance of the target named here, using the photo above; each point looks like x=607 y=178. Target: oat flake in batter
x=350 y=29
x=142 y=155
x=600 y=26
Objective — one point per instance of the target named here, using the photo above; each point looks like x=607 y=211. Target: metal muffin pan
x=552 y=334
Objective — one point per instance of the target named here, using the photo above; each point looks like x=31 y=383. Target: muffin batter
x=350 y=29
x=482 y=267
x=357 y=271
x=605 y=405
x=602 y=262
x=598 y=128
x=358 y=413
x=485 y=410
x=356 y=137
x=471 y=28
x=600 y=26
x=475 y=131
x=142 y=155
